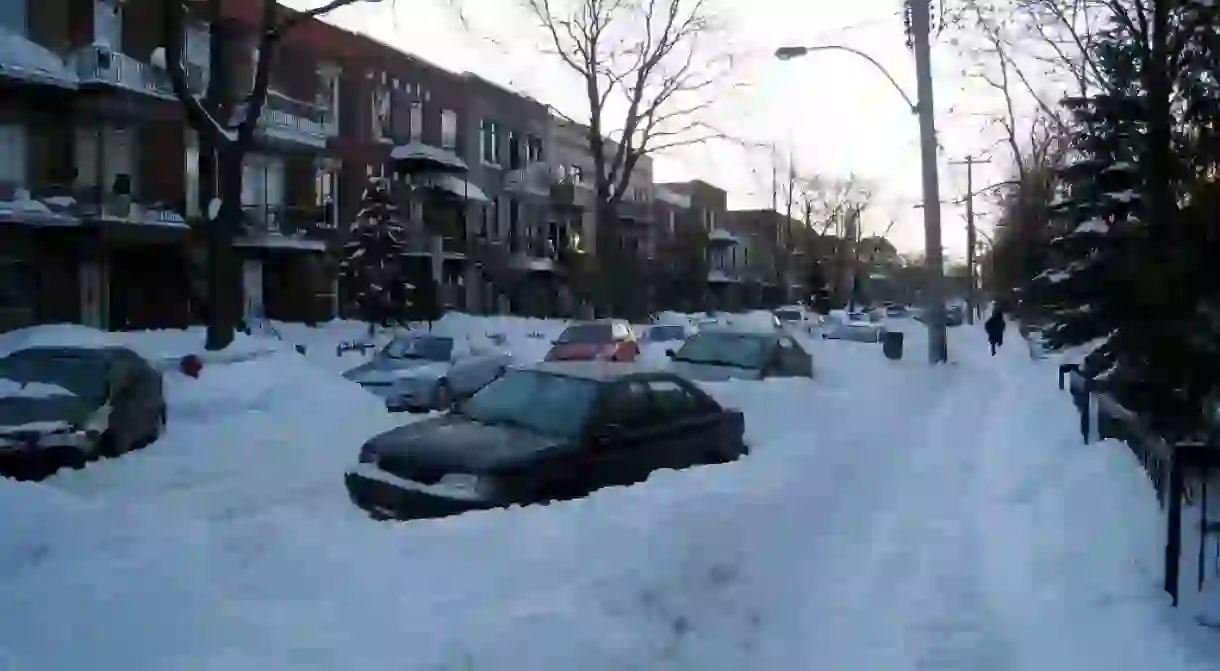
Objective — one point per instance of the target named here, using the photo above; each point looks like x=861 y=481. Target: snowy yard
x=890 y=516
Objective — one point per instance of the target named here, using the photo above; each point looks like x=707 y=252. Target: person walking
x=995 y=329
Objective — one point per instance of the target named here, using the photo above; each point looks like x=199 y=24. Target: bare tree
x=655 y=59
x=225 y=121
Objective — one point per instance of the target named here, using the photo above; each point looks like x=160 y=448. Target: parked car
x=65 y=406
x=421 y=371
x=896 y=311
x=796 y=318
x=721 y=354
x=601 y=340
x=658 y=333
x=955 y=315
x=545 y=432
x=855 y=331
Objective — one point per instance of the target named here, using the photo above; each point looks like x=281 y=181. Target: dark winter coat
x=995 y=327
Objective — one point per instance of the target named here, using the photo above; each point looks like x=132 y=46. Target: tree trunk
x=221 y=268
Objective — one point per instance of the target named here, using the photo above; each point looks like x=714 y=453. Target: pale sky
x=834 y=111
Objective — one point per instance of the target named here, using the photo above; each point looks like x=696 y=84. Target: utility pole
x=786 y=245
x=970 y=162
x=938 y=345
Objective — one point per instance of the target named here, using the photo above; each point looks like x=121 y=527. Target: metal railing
x=286 y=220
x=294 y=119
x=1179 y=470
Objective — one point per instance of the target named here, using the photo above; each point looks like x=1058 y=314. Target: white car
x=855 y=331
x=420 y=371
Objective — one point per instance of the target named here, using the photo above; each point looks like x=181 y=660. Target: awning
x=454 y=185
x=419 y=156
x=25 y=60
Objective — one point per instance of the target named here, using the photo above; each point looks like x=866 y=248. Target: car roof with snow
x=597 y=371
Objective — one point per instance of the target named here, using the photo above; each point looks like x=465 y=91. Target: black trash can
x=891 y=345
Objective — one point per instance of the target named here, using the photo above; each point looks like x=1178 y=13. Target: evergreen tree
x=372 y=265
x=1098 y=215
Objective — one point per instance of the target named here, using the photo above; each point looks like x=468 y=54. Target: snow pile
x=890 y=516
x=269 y=432
x=527 y=338
x=15 y=389
x=24 y=59
x=161 y=347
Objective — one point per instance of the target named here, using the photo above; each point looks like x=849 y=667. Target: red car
x=602 y=340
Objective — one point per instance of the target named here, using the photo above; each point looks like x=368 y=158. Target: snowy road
x=891 y=516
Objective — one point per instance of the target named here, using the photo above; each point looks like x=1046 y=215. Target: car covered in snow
x=550 y=431
x=64 y=406
x=723 y=354
x=601 y=340
x=796 y=318
x=420 y=371
x=855 y=330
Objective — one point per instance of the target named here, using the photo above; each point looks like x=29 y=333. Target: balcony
x=285 y=226
x=534 y=180
x=635 y=212
x=37 y=205
x=721 y=238
x=534 y=254
x=453 y=245
x=293 y=123
x=96 y=65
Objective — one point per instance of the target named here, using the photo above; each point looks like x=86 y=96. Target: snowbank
x=162 y=347
x=268 y=432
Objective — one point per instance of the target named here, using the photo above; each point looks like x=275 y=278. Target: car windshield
x=587 y=334
x=788 y=315
x=80 y=373
x=553 y=405
x=740 y=350
x=667 y=332
x=429 y=348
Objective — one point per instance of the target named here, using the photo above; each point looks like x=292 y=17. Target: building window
x=18 y=292
x=380 y=108
x=191 y=156
x=489 y=139
x=117 y=160
x=12 y=16
x=416 y=121
x=514 y=151
x=326 y=197
x=107 y=24
x=329 y=78
x=13 y=155
x=533 y=149
x=449 y=124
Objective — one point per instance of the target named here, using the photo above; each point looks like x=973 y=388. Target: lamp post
x=933 y=253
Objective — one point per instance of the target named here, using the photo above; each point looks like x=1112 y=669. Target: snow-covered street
x=890 y=516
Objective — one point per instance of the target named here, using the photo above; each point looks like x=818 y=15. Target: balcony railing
x=535 y=179
x=287 y=221
x=98 y=64
x=453 y=244
x=293 y=121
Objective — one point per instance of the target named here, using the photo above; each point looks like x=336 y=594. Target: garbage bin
x=891 y=345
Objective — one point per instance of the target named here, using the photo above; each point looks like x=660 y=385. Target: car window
x=548 y=404
x=672 y=400
x=628 y=406
x=428 y=348
x=79 y=372
x=586 y=334
x=724 y=348
x=663 y=333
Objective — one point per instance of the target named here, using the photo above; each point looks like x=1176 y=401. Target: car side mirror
x=669 y=353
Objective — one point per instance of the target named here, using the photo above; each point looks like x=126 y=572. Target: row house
x=91 y=175
x=767 y=258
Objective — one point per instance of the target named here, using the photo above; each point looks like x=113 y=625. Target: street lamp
x=791 y=52
x=933 y=254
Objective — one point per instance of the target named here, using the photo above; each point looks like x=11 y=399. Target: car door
x=686 y=424
x=621 y=436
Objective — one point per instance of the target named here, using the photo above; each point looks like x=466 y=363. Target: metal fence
x=1180 y=472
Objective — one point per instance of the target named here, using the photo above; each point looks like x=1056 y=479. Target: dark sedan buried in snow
x=64 y=406
x=547 y=432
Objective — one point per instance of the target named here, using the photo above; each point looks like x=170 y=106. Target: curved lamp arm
x=788 y=53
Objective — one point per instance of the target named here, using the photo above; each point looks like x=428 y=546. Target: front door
x=252 y=289
x=94 y=294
